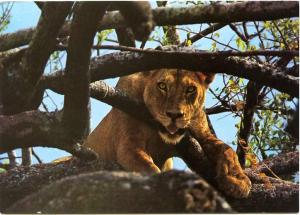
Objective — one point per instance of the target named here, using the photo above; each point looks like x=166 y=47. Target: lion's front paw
x=238 y=187
x=231 y=177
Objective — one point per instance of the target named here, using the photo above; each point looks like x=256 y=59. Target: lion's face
x=174 y=97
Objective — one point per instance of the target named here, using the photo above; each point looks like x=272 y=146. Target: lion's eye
x=162 y=86
x=191 y=89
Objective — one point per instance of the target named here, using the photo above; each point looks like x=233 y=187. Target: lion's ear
x=206 y=78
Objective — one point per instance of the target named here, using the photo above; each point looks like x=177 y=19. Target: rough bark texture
x=16 y=39
x=284 y=163
x=35 y=128
x=278 y=197
x=22 y=181
x=222 y=12
x=234 y=12
x=38 y=188
x=121 y=192
x=18 y=84
x=139 y=17
x=83 y=30
x=28 y=129
x=124 y=63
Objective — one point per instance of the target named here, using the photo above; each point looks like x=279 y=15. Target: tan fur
x=138 y=147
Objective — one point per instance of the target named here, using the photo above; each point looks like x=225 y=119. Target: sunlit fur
x=170 y=139
x=174 y=98
x=136 y=146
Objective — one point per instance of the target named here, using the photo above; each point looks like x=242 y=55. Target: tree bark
x=267 y=195
x=235 y=12
x=125 y=63
x=18 y=83
x=121 y=192
x=76 y=113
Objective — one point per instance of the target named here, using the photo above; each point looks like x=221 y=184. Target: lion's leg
x=136 y=159
x=168 y=165
x=230 y=175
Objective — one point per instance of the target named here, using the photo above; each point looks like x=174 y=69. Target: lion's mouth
x=171 y=129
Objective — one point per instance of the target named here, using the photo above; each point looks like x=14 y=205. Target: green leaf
x=2 y=170
x=103 y=35
x=267 y=24
x=214 y=45
x=240 y=44
x=188 y=43
x=217 y=34
x=5 y=161
x=248 y=163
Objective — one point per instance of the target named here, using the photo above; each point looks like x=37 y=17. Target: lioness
x=175 y=99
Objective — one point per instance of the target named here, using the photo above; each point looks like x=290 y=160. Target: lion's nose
x=174 y=114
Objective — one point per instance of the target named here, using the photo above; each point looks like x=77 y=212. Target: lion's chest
x=158 y=150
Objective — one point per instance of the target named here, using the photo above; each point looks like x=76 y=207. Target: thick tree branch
x=35 y=128
x=16 y=39
x=39 y=4
x=125 y=36
x=44 y=38
x=275 y=197
x=285 y=163
x=202 y=53
x=235 y=12
x=139 y=17
x=76 y=103
x=125 y=63
x=267 y=194
x=27 y=129
x=264 y=197
x=123 y=192
x=20 y=79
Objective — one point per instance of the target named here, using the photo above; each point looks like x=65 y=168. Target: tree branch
x=26 y=156
x=139 y=17
x=253 y=90
x=234 y=12
x=20 y=79
x=12 y=159
x=35 y=128
x=76 y=104
x=251 y=102
x=267 y=194
x=205 y=32
x=200 y=53
x=226 y=13
x=27 y=129
x=125 y=63
x=285 y=163
x=278 y=196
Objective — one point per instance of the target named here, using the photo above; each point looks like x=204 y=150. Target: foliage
x=5 y=16
x=268 y=136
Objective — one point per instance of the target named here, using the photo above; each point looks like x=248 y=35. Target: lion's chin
x=170 y=138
